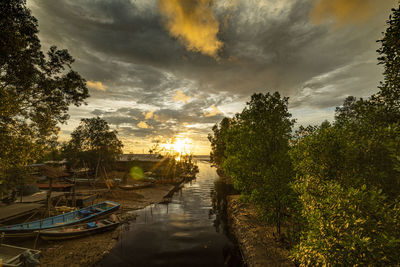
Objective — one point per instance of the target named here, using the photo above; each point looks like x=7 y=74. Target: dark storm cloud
x=267 y=46
x=261 y=51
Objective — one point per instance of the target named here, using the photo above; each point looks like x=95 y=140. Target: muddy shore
x=255 y=238
x=89 y=250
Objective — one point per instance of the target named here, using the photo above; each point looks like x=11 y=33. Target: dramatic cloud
x=148 y=115
x=151 y=64
x=96 y=85
x=346 y=11
x=144 y=125
x=181 y=97
x=212 y=111
x=193 y=23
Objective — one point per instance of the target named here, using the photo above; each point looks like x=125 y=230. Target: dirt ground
x=255 y=238
x=89 y=250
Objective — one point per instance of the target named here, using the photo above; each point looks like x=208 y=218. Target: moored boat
x=70 y=218
x=78 y=230
x=136 y=186
x=13 y=256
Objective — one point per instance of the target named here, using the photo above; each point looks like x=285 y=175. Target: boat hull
x=135 y=187
x=63 y=235
x=66 y=219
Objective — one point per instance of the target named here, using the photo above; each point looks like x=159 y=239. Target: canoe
x=78 y=230
x=10 y=256
x=74 y=217
x=135 y=186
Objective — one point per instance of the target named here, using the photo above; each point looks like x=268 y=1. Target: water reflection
x=188 y=231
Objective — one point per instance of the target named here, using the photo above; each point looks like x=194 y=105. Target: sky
x=162 y=69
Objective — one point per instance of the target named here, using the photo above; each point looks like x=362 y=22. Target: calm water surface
x=188 y=231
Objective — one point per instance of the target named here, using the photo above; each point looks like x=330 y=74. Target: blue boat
x=78 y=216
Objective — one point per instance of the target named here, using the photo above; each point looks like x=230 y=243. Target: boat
x=78 y=230
x=70 y=218
x=135 y=186
x=13 y=256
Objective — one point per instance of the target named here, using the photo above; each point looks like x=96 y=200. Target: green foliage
x=390 y=59
x=256 y=150
x=346 y=227
x=349 y=175
x=35 y=90
x=352 y=155
x=217 y=154
x=93 y=144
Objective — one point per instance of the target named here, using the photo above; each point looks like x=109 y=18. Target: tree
x=353 y=155
x=390 y=59
x=217 y=154
x=93 y=144
x=156 y=148
x=257 y=160
x=348 y=175
x=35 y=90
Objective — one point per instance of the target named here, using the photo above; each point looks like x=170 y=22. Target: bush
x=346 y=227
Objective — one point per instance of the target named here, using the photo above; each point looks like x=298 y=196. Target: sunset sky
x=158 y=69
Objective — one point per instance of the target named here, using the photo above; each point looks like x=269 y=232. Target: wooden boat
x=10 y=256
x=78 y=230
x=74 y=217
x=135 y=186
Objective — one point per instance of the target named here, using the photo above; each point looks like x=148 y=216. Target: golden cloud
x=213 y=111
x=344 y=11
x=180 y=96
x=193 y=23
x=148 y=115
x=143 y=125
x=96 y=85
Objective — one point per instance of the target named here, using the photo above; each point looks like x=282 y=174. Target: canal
x=188 y=231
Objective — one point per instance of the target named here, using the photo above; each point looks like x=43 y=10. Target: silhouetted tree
x=35 y=90
x=93 y=144
x=217 y=153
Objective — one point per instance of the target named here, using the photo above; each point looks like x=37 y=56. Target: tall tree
x=35 y=90
x=93 y=144
x=257 y=145
x=390 y=59
x=217 y=154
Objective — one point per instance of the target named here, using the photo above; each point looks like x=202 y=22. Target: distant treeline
x=332 y=190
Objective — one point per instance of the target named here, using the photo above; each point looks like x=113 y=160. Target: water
x=189 y=231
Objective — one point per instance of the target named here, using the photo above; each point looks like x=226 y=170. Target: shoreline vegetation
x=326 y=195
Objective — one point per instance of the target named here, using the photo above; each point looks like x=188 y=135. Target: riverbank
x=255 y=238
x=89 y=250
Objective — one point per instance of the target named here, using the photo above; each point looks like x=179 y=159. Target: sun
x=179 y=146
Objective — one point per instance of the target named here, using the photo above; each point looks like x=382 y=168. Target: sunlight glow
x=179 y=147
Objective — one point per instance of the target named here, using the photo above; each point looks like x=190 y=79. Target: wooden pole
x=49 y=194
x=73 y=194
